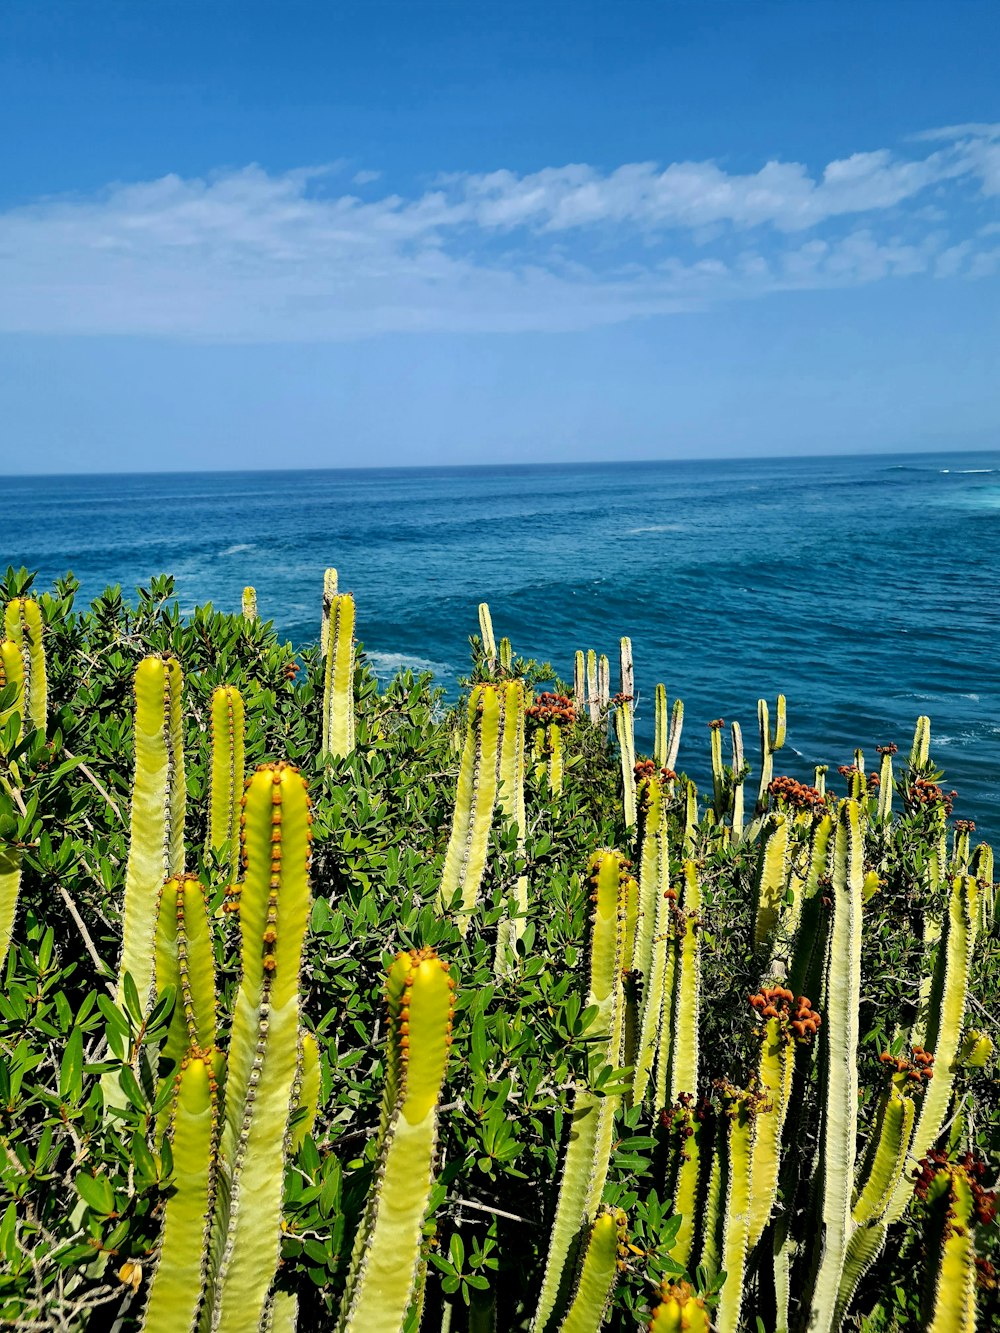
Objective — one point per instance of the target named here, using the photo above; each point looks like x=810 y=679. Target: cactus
x=738 y=781
x=649 y=958
x=249 y=603
x=771 y=741
x=625 y=731
x=329 y=593
x=588 y=1151
x=772 y=870
x=465 y=858
x=177 y=1286
x=603 y=682
x=306 y=1092
x=156 y=848
x=12 y=673
x=227 y=772
x=510 y=798
x=380 y=1286
x=263 y=1057
x=338 y=679
x=23 y=626
x=679 y=1310
x=955 y=1201
x=839 y=1049
x=604 y=1251
x=505 y=655
x=579 y=681
x=486 y=633
x=10 y=887
x=687 y=989
x=593 y=690
x=185 y=961
x=668 y=727
x=739 y=1113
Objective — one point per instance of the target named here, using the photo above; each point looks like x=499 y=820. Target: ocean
x=863 y=588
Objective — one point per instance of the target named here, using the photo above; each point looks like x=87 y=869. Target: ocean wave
x=658 y=527
x=388 y=664
x=240 y=546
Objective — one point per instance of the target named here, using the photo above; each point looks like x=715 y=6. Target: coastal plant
x=338 y=680
x=228 y=728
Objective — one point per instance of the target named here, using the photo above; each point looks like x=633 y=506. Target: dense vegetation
x=765 y=912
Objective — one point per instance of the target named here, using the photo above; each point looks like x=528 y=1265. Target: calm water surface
x=863 y=588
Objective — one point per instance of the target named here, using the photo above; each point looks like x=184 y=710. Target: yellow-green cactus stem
x=738 y=781
x=10 y=885
x=625 y=730
x=887 y=1155
x=579 y=681
x=739 y=1115
x=23 y=626
x=920 y=751
x=674 y=926
x=329 y=593
x=505 y=654
x=12 y=673
x=775 y=1068
x=977 y=1050
x=687 y=989
x=282 y=1313
x=982 y=869
x=772 y=870
x=228 y=733
x=954 y=1302
x=719 y=796
x=510 y=798
x=687 y=1126
x=606 y=1248
x=176 y=1289
x=679 y=1310
x=554 y=749
x=603 y=682
x=184 y=960
x=771 y=741
x=593 y=691
x=249 y=603
x=486 y=633
x=839 y=1050
x=885 y=785
x=156 y=848
x=305 y=1094
x=649 y=958
x=338 y=679
x=813 y=920
x=465 y=859
x=588 y=1151
x=263 y=1049
x=386 y=1258
x=669 y=724
x=690 y=817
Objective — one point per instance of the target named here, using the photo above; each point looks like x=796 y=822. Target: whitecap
x=657 y=527
x=240 y=546
x=388 y=664
x=973 y=697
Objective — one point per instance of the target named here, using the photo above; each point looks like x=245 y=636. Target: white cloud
x=247 y=255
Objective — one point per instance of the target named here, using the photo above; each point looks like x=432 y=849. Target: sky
x=252 y=235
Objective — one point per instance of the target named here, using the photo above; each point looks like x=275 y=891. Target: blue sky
x=304 y=234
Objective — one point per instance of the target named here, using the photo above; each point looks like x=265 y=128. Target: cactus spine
x=605 y=1248
x=156 y=849
x=176 y=1290
x=465 y=858
x=274 y=913
x=381 y=1284
x=228 y=730
x=23 y=626
x=589 y=1149
x=329 y=593
x=338 y=679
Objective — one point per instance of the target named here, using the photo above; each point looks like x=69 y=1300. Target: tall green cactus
x=771 y=741
x=263 y=1056
x=579 y=682
x=739 y=781
x=602 y=1257
x=338 y=679
x=679 y=1310
x=488 y=637
x=950 y=1196
x=739 y=1113
x=185 y=961
x=23 y=626
x=228 y=746
x=329 y=593
x=510 y=798
x=12 y=673
x=250 y=603
x=588 y=1151
x=156 y=847
x=649 y=959
x=603 y=682
x=385 y=1262
x=465 y=859
x=593 y=687
x=668 y=726
x=177 y=1288
x=625 y=731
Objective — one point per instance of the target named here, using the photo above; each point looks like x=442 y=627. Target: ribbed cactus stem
x=274 y=914
x=588 y=1151
x=505 y=654
x=593 y=692
x=338 y=679
x=385 y=1263
x=603 y=682
x=687 y=989
x=625 y=732
x=510 y=798
x=739 y=1116
x=738 y=781
x=23 y=626
x=689 y=1131
x=920 y=750
x=305 y=1094
x=249 y=603
x=228 y=744
x=12 y=673
x=175 y=1293
x=690 y=817
x=329 y=593
x=887 y=1156
x=486 y=633
x=719 y=796
x=771 y=741
x=184 y=960
x=156 y=848
x=10 y=886
x=885 y=787
x=839 y=1049
x=679 y=1310
x=554 y=749
x=954 y=1301
x=605 y=1252
x=775 y=1068
x=465 y=859
x=772 y=870
x=649 y=958
x=579 y=681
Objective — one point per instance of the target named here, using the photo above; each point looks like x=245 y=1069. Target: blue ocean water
x=864 y=588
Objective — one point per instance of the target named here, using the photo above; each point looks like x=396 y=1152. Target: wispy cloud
x=248 y=255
